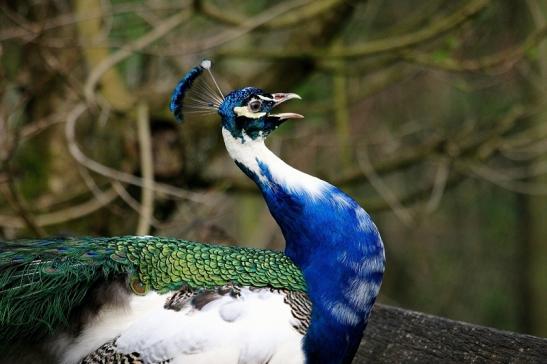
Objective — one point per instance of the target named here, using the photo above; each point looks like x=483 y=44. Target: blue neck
x=337 y=247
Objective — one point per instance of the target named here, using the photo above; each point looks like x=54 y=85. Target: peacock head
x=246 y=112
x=249 y=112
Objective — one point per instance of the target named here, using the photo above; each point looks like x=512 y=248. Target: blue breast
x=338 y=247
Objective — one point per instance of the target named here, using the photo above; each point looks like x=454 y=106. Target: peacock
x=147 y=299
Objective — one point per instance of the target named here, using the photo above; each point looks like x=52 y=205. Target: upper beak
x=282 y=97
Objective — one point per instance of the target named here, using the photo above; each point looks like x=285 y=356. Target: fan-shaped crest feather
x=203 y=98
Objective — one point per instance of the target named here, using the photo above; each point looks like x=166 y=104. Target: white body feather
x=256 y=327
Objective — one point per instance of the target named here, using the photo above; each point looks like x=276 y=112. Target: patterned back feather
x=42 y=281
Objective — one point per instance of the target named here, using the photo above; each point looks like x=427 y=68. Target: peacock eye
x=254 y=105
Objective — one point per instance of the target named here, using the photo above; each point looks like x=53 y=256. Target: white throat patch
x=250 y=152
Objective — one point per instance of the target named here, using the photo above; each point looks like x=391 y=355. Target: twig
x=526 y=145
x=535 y=149
x=383 y=190
x=30 y=130
x=90 y=183
x=114 y=88
x=13 y=195
x=64 y=215
x=17 y=202
x=123 y=53
x=499 y=179
x=453 y=148
x=439 y=186
x=419 y=194
x=505 y=57
x=296 y=17
x=405 y=158
x=112 y=173
x=131 y=202
x=147 y=170
x=64 y=70
x=32 y=30
x=252 y=23
x=372 y=47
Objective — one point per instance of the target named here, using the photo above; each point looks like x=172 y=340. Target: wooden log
x=395 y=335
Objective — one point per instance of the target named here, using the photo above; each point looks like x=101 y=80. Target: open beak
x=281 y=98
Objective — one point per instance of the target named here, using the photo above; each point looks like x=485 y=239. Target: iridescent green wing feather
x=42 y=281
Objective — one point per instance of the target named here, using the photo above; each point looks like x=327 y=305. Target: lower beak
x=281 y=98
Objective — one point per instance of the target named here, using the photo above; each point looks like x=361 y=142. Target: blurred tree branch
x=147 y=170
x=106 y=63
x=9 y=142
x=298 y=16
x=251 y=23
x=114 y=174
x=507 y=56
x=64 y=215
x=28 y=30
x=388 y=196
x=373 y=47
x=114 y=89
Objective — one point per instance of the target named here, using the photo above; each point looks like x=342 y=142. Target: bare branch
x=18 y=203
x=230 y=35
x=295 y=17
x=383 y=190
x=13 y=195
x=509 y=56
x=114 y=174
x=147 y=170
x=131 y=202
x=373 y=47
x=32 y=30
x=156 y=33
x=64 y=215
x=439 y=186
x=499 y=178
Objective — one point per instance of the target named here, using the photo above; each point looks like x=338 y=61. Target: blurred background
x=431 y=113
